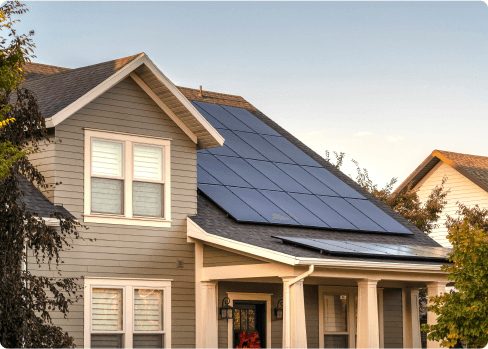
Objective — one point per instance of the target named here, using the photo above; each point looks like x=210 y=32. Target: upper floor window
x=126 y=179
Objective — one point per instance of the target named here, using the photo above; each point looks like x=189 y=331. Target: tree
x=407 y=203
x=463 y=315
x=26 y=299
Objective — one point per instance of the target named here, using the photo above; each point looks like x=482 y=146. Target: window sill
x=141 y=221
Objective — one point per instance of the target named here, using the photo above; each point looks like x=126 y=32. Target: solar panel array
x=259 y=176
x=375 y=250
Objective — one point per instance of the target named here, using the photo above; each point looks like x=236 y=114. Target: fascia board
x=105 y=85
x=186 y=103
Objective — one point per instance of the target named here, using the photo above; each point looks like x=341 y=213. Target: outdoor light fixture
x=226 y=311
x=279 y=310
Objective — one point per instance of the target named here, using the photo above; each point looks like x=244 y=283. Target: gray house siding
x=119 y=250
x=393 y=318
x=214 y=257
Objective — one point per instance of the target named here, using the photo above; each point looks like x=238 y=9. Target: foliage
x=463 y=314
x=15 y=50
x=407 y=203
x=249 y=340
x=26 y=298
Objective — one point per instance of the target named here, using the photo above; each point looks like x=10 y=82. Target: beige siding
x=461 y=189
x=130 y=251
x=392 y=317
x=214 y=257
x=44 y=161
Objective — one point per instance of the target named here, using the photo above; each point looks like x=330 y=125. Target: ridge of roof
x=34 y=71
x=473 y=167
x=204 y=214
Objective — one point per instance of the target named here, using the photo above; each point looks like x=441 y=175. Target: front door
x=249 y=324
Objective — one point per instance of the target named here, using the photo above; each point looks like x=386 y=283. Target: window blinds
x=107 y=309
x=147 y=199
x=148 y=310
x=107 y=158
x=107 y=195
x=148 y=163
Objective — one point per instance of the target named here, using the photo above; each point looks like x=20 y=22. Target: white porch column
x=205 y=305
x=411 y=318
x=368 y=329
x=294 y=328
x=434 y=289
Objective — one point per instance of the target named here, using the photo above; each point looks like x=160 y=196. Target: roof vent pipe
x=200 y=94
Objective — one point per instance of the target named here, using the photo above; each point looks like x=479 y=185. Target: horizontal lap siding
x=461 y=189
x=392 y=317
x=130 y=251
x=44 y=161
x=213 y=257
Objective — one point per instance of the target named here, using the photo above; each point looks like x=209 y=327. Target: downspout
x=286 y=292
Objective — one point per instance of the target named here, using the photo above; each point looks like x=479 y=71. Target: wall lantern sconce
x=279 y=310
x=226 y=311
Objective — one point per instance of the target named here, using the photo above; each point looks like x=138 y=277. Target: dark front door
x=249 y=324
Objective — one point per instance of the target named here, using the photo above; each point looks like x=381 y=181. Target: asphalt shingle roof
x=37 y=203
x=57 y=90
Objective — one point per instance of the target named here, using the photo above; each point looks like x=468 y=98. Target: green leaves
x=463 y=315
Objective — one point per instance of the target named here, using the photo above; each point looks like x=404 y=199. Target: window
x=336 y=329
x=127 y=179
x=127 y=313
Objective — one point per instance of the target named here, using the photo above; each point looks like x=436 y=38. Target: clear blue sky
x=385 y=82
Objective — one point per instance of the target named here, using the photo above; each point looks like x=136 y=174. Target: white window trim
x=238 y=296
x=129 y=140
x=128 y=286
x=351 y=293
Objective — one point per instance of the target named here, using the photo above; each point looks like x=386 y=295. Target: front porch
x=326 y=302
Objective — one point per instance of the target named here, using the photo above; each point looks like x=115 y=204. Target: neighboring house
x=304 y=255
x=466 y=179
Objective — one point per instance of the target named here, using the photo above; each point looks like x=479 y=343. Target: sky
x=384 y=82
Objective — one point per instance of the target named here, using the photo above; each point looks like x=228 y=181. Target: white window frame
x=128 y=140
x=128 y=286
x=351 y=292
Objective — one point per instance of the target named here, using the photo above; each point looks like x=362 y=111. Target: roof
x=61 y=92
x=473 y=167
x=37 y=203
x=215 y=221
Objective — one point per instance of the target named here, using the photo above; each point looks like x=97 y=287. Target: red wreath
x=249 y=340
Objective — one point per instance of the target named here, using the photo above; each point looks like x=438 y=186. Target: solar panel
x=324 y=212
x=293 y=208
x=291 y=151
x=350 y=213
x=307 y=180
x=262 y=205
x=278 y=181
x=220 y=172
x=285 y=182
x=373 y=212
x=367 y=249
x=224 y=117
x=233 y=205
x=332 y=181
x=240 y=147
x=252 y=176
x=251 y=121
x=264 y=147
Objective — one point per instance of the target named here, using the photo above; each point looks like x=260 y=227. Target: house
x=213 y=222
x=466 y=179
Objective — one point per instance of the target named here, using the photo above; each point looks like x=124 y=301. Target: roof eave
x=207 y=135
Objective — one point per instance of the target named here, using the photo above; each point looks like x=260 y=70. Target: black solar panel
x=273 y=181
x=372 y=250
